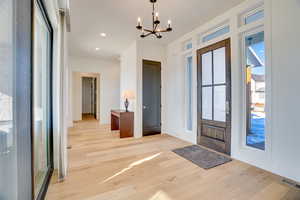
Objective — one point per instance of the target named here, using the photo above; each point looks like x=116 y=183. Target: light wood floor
x=104 y=167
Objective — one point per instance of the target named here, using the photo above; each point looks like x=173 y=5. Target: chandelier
x=156 y=31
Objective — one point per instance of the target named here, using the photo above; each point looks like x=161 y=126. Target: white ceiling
x=117 y=18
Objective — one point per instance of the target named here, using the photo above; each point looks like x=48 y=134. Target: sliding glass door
x=15 y=100
x=25 y=100
x=42 y=123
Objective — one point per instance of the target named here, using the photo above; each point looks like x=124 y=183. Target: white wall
x=131 y=76
x=285 y=87
x=282 y=100
x=128 y=78
x=109 y=85
x=174 y=88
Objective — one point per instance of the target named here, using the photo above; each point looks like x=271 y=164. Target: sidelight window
x=255 y=90
x=189 y=93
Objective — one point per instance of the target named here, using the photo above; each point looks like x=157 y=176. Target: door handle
x=5 y=152
x=227 y=107
x=144 y=107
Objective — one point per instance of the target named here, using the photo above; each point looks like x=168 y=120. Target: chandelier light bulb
x=156 y=16
x=156 y=21
x=139 y=24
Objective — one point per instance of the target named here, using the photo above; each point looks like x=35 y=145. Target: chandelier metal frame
x=156 y=31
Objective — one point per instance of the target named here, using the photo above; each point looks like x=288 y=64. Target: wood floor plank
x=104 y=167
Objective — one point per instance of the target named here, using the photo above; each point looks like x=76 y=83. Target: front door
x=151 y=97
x=214 y=97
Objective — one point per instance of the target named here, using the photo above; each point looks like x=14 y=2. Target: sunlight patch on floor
x=160 y=195
x=131 y=166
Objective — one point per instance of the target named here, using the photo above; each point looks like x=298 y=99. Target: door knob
x=144 y=107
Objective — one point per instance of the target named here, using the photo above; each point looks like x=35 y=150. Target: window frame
x=42 y=193
x=244 y=96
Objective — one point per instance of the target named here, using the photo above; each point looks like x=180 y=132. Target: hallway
x=102 y=167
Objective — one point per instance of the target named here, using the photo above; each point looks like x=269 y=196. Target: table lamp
x=127 y=94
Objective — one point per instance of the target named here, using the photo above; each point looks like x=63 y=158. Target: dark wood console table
x=123 y=121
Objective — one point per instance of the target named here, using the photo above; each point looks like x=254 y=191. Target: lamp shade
x=128 y=94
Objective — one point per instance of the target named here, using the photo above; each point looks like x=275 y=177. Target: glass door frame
x=42 y=193
x=22 y=79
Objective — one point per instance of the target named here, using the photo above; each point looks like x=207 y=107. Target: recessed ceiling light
x=103 y=34
x=97 y=49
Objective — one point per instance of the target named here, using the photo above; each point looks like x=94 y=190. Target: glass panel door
x=214 y=112
x=8 y=150
x=41 y=99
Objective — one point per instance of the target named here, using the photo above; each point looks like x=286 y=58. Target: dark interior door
x=95 y=98
x=214 y=97
x=151 y=97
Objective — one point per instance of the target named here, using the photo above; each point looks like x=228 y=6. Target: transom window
x=218 y=33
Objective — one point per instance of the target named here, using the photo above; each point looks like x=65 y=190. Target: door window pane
x=255 y=90
x=220 y=103
x=207 y=68
x=207 y=103
x=8 y=153
x=219 y=66
x=41 y=100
